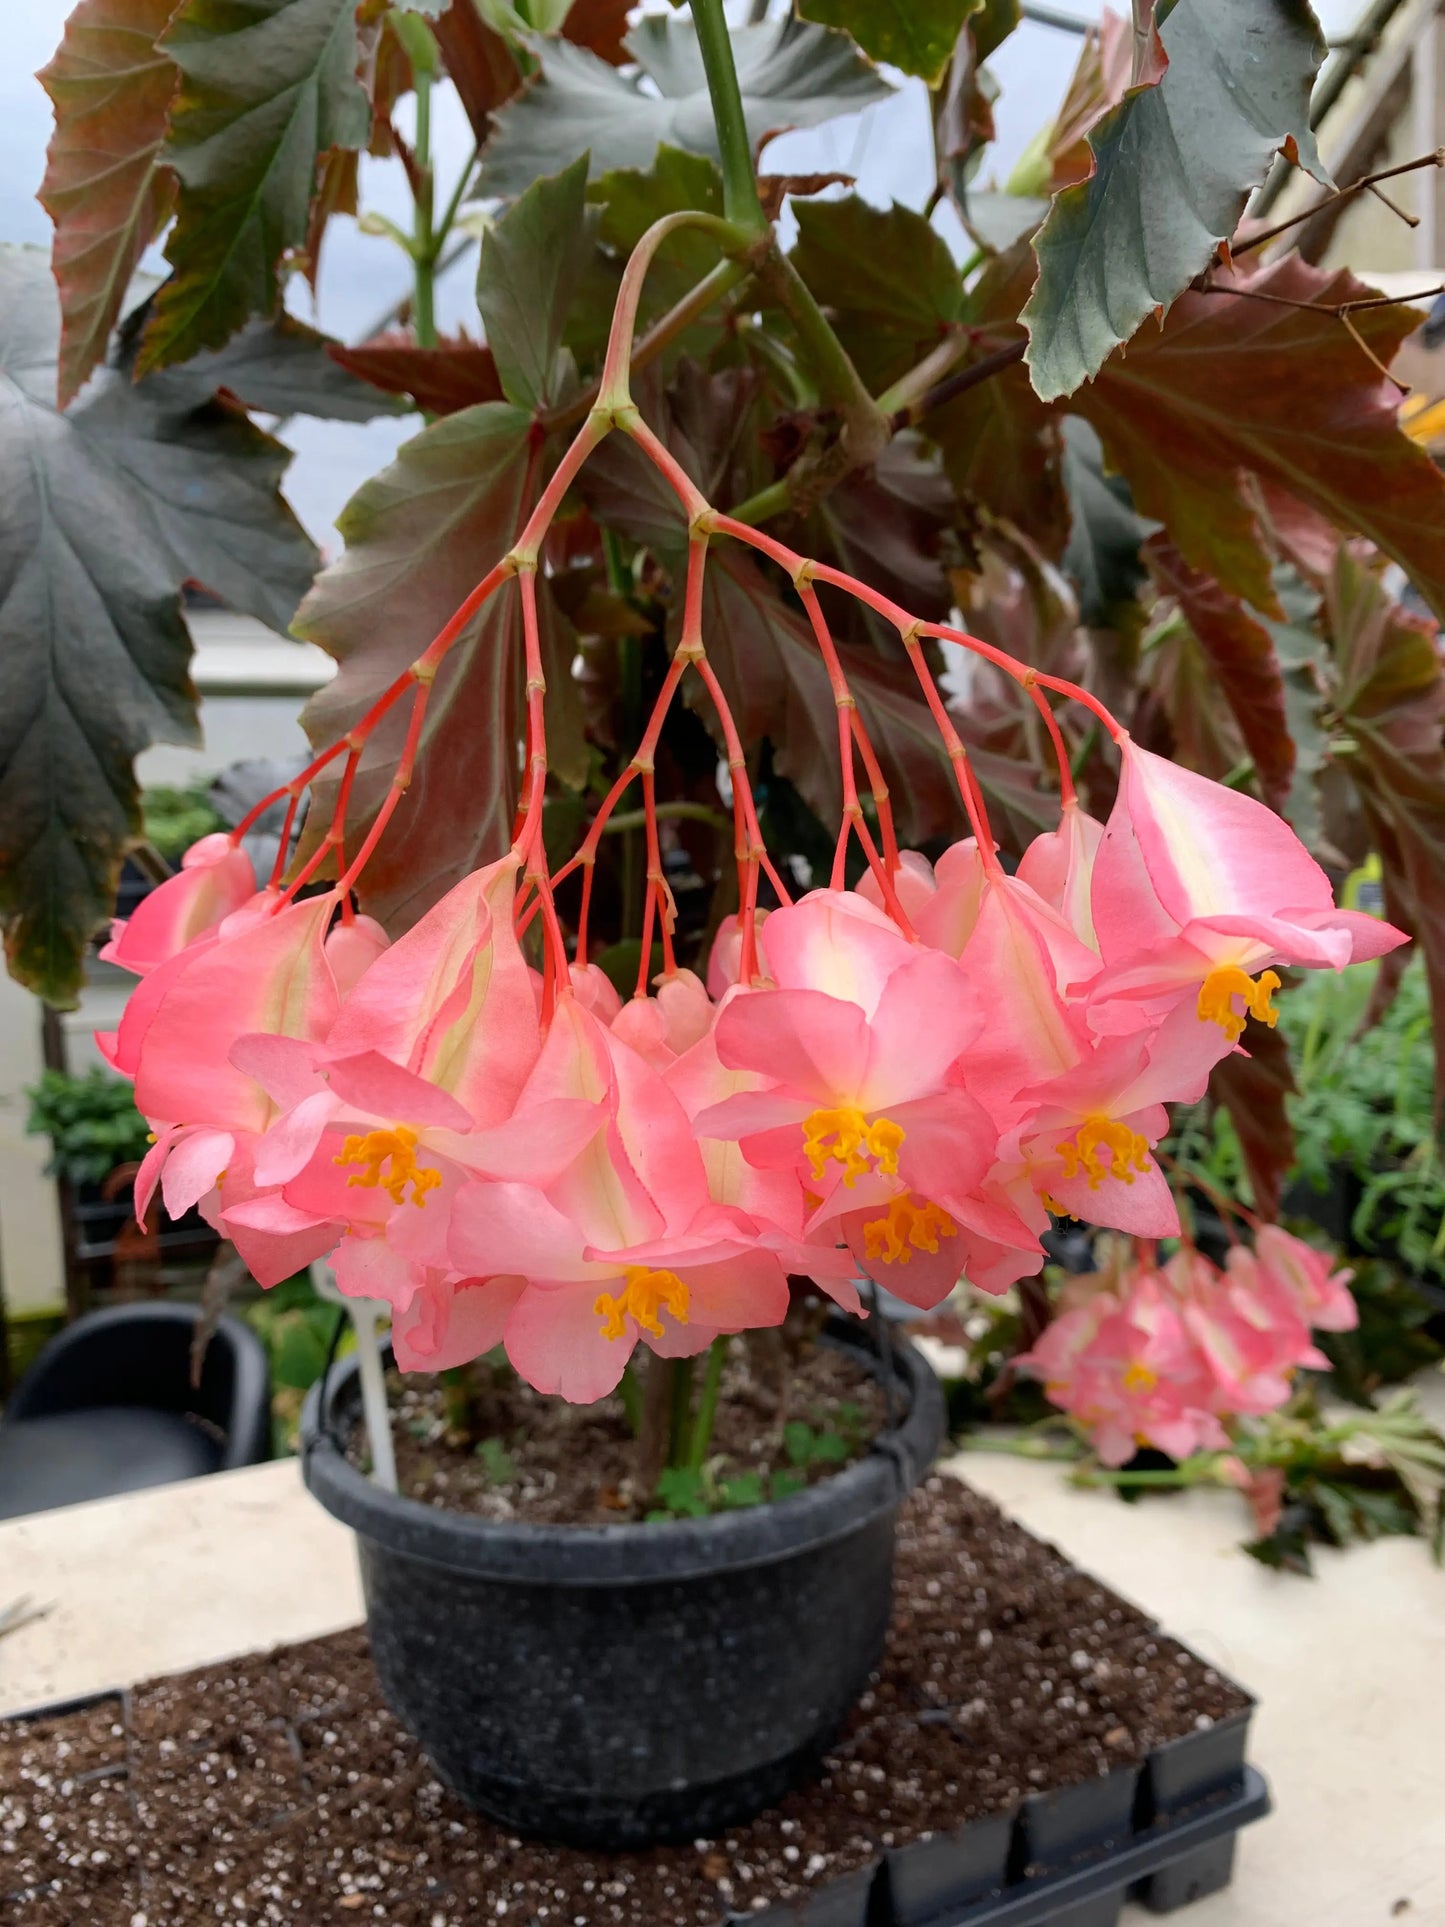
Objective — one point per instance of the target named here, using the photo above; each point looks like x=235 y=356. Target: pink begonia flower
x=412 y=1088
x=1122 y=1363
x=663 y=1026
x=859 y=1044
x=1059 y=866
x=270 y=976
x=914 y=883
x=214 y=879
x=769 y=1199
x=1321 y=1293
x=726 y=957
x=595 y=991
x=624 y=1245
x=1252 y=1337
x=1199 y=889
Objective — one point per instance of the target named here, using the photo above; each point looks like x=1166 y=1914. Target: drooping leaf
x=1174 y=164
x=1254 y=1090
x=280 y=367
x=267 y=88
x=419 y=537
x=1390 y=699
x=530 y=265
x=1303 y=652
x=1240 y=650
x=456 y=374
x=792 y=74
x=1248 y=382
x=915 y=35
x=104 y=188
x=887 y=277
x=1001 y=445
x=1062 y=154
x=110 y=507
x=1103 y=558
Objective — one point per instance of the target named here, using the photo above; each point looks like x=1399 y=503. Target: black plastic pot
x=613 y=1686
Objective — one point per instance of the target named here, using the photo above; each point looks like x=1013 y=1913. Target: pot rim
x=635 y=1552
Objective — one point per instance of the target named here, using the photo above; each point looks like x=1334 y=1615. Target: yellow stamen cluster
x=1101 y=1149
x=1139 y=1378
x=846 y=1137
x=396 y=1148
x=1222 y=986
x=907 y=1228
x=643 y=1295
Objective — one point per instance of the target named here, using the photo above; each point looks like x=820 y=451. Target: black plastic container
x=613 y=1686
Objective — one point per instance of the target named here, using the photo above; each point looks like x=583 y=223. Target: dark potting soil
x=277 y=1788
x=549 y=1463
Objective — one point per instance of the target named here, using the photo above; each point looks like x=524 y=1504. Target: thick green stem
x=423 y=241
x=681 y=1431
x=740 y=186
x=707 y=1404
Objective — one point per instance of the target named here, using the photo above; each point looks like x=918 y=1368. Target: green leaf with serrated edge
x=885 y=275
x=136 y=488
x=1267 y=382
x=1102 y=558
x=1174 y=165
x=791 y=74
x=267 y=87
x=916 y=35
x=527 y=275
x=280 y=367
x=104 y=188
x=419 y=537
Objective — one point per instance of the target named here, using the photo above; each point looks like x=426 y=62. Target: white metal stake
x=365 y=1315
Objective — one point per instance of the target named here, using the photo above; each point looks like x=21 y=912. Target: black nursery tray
x=1032 y=1752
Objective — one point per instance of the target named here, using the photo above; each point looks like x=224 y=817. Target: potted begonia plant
x=407 y=1052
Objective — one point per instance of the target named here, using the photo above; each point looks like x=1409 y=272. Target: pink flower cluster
x=1146 y=1354
x=911 y=1079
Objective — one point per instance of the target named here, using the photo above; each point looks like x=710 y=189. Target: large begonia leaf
x=1389 y=696
x=110 y=507
x=917 y=36
x=1250 y=383
x=104 y=187
x=530 y=265
x=419 y=537
x=1174 y=164
x=268 y=87
x=886 y=276
x=1240 y=650
x=792 y=74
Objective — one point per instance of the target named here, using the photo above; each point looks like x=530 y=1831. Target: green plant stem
x=424 y=246
x=740 y=186
x=453 y=207
x=677 y=812
x=680 y=1438
x=707 y=1404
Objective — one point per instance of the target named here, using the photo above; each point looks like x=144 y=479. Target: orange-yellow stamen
x=1101 y=1149
x=1139 y=1378
x=643 y=1294
x=1222 y=986
x=397 y=1148
x=844 y=1135
x=908 y=1227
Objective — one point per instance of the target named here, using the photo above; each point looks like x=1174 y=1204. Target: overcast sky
x=887 y=147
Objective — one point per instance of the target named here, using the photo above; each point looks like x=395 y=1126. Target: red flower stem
x=847 y=709
x=1056 y=736
x=530 y=846
x=656 y=884
x=395 y=790
x=695 y=505
x=278 y=868
x=881 y=800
